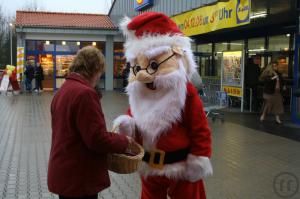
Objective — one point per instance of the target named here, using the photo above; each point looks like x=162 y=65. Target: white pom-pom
x=124 y=27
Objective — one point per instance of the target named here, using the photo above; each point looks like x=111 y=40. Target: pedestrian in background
x=273 y=85
x=80 y=142
x=29 y=75
x=252 y=73
x=39 y=77
x=125 y=74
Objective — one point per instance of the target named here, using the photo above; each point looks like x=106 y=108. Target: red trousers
x=158 y=187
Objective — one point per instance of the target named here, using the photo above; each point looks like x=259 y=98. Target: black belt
x=157 y=158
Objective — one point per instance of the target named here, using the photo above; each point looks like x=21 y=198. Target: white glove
x=126 y=125
x=197 y=168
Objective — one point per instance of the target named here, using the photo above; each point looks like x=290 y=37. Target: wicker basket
x=125 y=164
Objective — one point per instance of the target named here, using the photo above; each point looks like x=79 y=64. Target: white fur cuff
x=126 y=125
x=198 y=167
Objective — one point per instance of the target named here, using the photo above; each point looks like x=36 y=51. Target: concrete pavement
x=248 y=163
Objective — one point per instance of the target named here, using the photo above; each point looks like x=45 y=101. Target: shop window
x=204 y=48
x=30 y=59
x=279 y=43
x=30 y=45
x=45 y=45
x=67 y=46
x=237 y=45
x=97 y=44
x=46 y=61
x=194 y=47
x=219 y=49
x=256 y=45
x=119 y=60
x=63 y=63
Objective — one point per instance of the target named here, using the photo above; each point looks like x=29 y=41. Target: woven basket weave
x=125 y=164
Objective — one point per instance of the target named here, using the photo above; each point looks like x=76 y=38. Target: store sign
x=233 y=91
x=142 y=4
x=20 y=61
x=215 y=17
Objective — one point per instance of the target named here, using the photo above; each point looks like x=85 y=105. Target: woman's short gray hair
x=88 y=61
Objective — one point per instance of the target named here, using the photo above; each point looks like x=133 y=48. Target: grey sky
x=82 y=6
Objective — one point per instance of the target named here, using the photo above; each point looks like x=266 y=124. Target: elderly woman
x=80 y=142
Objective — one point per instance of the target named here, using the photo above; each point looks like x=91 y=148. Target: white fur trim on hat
x=134 y=46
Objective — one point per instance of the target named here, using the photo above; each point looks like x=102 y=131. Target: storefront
x=55 y=57
x=269 y=34
x=53 y=39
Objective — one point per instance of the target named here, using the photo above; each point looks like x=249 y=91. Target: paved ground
x=247 y=162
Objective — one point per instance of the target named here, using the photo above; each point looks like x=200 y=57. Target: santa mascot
x=166 y=115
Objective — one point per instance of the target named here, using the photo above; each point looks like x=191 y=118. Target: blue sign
x=142 y=4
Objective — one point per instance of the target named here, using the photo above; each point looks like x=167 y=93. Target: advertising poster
x=233 y=74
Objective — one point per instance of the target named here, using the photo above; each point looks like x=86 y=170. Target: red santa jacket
x=192 y=132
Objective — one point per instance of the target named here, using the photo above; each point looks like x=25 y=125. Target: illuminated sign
x=210 y=18
x=142 y=4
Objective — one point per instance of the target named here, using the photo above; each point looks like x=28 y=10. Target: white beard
x=155 y=111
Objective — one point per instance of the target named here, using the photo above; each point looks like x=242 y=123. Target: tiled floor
x=248 y=164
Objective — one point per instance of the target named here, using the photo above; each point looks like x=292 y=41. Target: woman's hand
x=130 y=140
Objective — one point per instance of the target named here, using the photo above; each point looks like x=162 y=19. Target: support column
x=109 y=57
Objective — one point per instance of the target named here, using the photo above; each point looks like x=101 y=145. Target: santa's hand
x=197 y=168
x=126 y=125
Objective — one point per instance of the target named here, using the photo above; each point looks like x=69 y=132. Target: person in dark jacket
x=39 y=77
x=125 y=75
x=80 y=141
x=273 y=85
x=29 y=75
x=252 y=73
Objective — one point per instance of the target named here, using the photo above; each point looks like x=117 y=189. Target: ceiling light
x=288 y=35
x=78 y=43
x=256 y=50
x=258 y=15
x=47 y=42
x=63 y=43
x=94 y=43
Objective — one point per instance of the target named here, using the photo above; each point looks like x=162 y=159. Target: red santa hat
x=151 y=30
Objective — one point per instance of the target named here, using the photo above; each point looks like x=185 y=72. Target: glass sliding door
x=47 y=62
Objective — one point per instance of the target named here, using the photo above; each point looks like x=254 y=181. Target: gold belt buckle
x=160 y=164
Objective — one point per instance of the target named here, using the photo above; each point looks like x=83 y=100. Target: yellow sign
x=233 y=91
x=210 y=18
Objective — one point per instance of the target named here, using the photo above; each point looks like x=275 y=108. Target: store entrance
x=204 y=62
x=296 y=86
x=63 y=63
x=47 y=62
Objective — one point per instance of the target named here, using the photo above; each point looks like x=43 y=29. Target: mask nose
x=144 y=77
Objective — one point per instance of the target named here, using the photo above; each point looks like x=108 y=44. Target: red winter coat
x=80 y=142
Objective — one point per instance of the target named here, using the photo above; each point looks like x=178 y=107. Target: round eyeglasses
x=151 y=68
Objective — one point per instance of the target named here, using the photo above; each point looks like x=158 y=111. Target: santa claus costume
x=166 y=115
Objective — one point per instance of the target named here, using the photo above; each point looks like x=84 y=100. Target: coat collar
x=79 y=78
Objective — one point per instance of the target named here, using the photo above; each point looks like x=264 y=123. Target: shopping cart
x=214 y=99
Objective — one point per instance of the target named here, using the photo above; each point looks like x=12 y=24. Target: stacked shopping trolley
x=213 y=98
